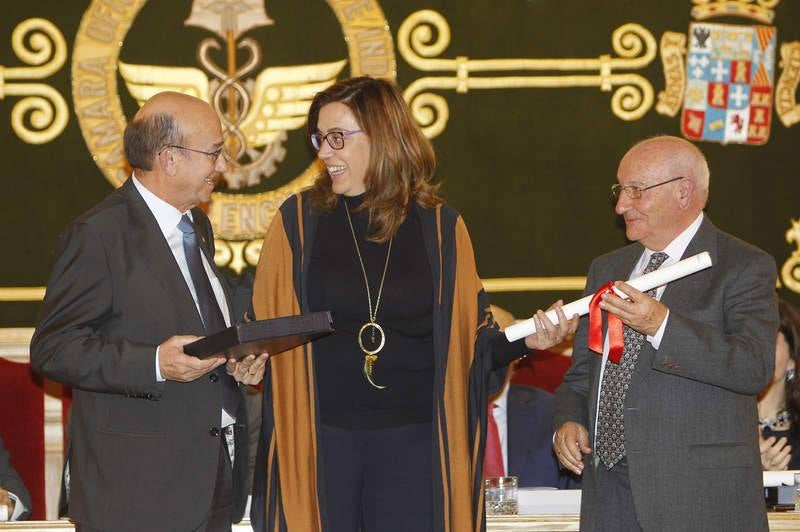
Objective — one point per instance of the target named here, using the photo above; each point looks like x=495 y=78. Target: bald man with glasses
x=158 y=438
x=665 y=439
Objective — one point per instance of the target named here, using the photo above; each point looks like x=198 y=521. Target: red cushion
x=543 y=369
x=22 y=427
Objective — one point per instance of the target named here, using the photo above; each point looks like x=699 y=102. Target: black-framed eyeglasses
x=212 y=155
x=335 y=139
x=635 y=191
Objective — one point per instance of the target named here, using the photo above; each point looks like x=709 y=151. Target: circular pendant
x=361 y=333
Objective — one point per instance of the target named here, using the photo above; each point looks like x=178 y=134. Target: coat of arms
x=730 y=90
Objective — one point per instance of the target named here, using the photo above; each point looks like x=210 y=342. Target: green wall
x=528 y=168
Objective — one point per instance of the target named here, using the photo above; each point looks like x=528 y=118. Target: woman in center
x=378 y=426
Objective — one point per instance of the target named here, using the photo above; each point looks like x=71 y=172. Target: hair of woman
x=790 y=328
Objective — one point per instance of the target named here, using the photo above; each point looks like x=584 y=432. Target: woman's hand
x=548 y=334
x=775 y=455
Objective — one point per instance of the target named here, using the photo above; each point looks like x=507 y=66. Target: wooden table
x=550 y=523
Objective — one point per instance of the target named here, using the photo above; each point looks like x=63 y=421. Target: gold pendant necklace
x=370 y=355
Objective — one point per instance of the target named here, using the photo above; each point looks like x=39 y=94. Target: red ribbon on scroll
x=615 y=338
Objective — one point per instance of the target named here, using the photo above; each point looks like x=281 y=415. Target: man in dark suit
x=152 y=428
x=530 y=443
x=666 y=439
x=523 y=416
x=14 y=497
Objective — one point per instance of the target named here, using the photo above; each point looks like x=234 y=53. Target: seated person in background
x=779 y=402
x=522 y=418
x=15 y=503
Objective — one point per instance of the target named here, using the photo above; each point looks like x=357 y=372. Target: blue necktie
x=213 y=321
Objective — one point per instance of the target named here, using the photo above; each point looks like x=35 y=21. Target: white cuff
x=159 y=378
x=655 y=340
x=19 y=508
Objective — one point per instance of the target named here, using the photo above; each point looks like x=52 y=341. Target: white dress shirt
x=675 y=250
x=18 y=510
x=500 y=413
x=168 y=218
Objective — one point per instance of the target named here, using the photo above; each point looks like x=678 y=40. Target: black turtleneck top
x=405 y=365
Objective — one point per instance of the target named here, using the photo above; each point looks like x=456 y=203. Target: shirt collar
x=677 y=247
x=165 y=214
x=502 y=400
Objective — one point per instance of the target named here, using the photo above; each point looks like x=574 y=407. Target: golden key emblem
x=634 y=45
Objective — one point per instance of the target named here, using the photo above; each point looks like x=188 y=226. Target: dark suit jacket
x=690 y=411
x=142 y=454
x=530 y=440
x=11 y=481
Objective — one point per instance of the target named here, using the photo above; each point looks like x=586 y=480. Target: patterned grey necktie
x=610 y=444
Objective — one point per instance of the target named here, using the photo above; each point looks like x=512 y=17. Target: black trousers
x=377 y=479
x=219 y=514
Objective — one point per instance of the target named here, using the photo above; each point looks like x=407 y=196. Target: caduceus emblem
x=255 y=113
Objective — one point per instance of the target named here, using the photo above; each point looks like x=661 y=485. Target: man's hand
x=571 y=442
x=249 y=370
x=547 y=334
x=6 y=501
x=175 y=365
x=640 y=312
x=775 y=455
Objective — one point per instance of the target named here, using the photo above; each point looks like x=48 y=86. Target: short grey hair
x=144 y=137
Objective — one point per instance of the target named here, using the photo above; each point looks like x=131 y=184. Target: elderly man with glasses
x=665 y=438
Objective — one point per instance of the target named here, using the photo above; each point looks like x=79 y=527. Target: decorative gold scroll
x=760 y=10
x=633 y=43
x=44 y=107
x=790 y=271
x=673 y=48
x=785 y=94
x=22 y=293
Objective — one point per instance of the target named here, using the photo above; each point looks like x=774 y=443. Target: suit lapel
x=678 y=294
x=519 y=431
x=153 y=251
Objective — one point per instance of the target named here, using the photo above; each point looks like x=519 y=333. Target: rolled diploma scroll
x=646 y=282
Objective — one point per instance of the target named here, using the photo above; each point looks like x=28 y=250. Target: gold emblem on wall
x=633 y=44
x=790 y=271
x=257 y=106
x=726 y=86
x=41 y=115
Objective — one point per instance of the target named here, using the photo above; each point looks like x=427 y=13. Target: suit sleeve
x=740 y=355
x=70 y=345
x=572 y=395
x=11 y=481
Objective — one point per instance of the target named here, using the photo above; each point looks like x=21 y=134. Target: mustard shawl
x=285 y=487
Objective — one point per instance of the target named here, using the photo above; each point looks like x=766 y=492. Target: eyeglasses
x=212 y=155
x=335 y=139
x=635 y=191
